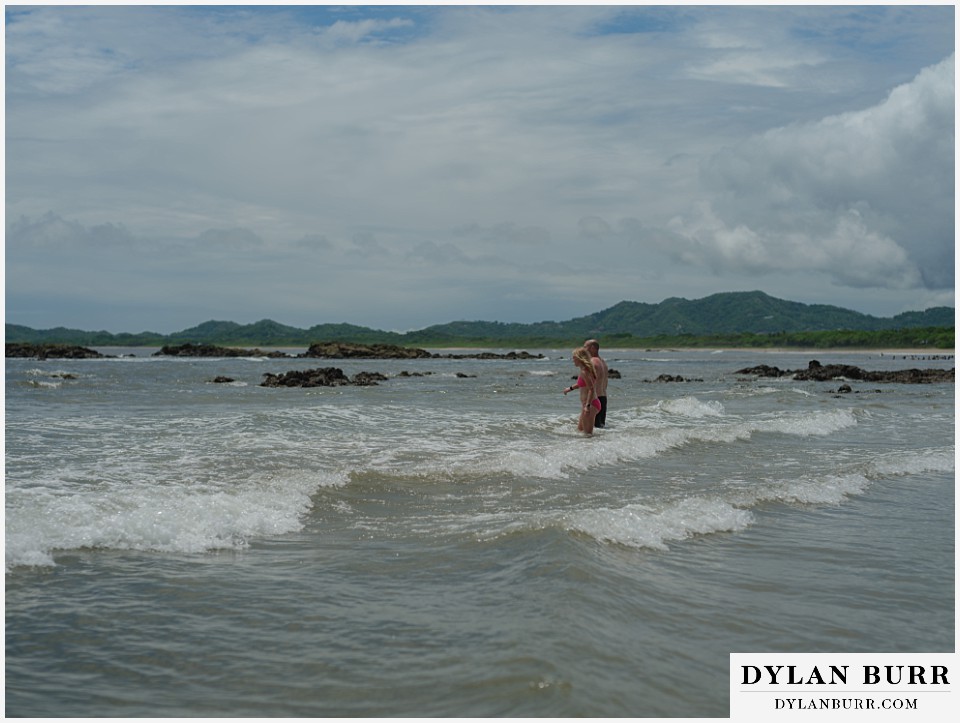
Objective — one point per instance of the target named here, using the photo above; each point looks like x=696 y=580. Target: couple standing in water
x=592 y=382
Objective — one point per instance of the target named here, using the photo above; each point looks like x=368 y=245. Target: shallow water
x=448 y=546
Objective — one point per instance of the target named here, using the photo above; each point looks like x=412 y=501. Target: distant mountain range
x=752 y=312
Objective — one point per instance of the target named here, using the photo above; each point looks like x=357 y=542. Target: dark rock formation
x=490 y=355
x=817 y=372
x=325 y=377
x=672 y=378
x=341 y=350
x=762 y=370
x=51 y=351
x=368 y=379
x=209 y=350
x=222 y=380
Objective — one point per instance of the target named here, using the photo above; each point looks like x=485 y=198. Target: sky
x=401 y=166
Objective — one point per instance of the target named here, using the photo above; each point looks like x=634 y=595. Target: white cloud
x=441 y=254
x=354 y=31
x=865 y=197
x=516 y=163
x=750 y=50
x=229 y=239
x=594 y=227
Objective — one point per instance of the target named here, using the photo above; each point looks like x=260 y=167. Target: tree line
x=933 y=337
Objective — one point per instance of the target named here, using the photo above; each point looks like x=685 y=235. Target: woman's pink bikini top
x=595 y=402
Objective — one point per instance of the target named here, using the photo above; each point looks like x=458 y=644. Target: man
x=600 y=366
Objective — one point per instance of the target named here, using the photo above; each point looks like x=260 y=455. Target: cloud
x=594 y=227
x=399 y=166
x=504 y=234
x=750 y=50
x=313 y=242
x=52 y=234
x=432 y=253
x=864 y=197
x=229 y=239
x=352 y=32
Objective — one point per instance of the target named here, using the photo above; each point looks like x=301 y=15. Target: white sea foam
x=692 y=407
x=639 y=526
x=914 y=462
x=40 y=384
x=851 y=479
x=472 y=445
x=53 y=373
x=828 y=489
x=657 y=523
x=162 y=517
x=816 y=424
x=633 y=525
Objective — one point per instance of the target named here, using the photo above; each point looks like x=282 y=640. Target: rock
x=341 y=350
x=763 y=370
x=325 y=377
x=817 y=372
x=209 y=350
x=613 y=374
x=670 y=378
x=913 y=376
x=50 y=351
x=222 y=380
x=491 y=355
x=367 y=379
x=346 y=350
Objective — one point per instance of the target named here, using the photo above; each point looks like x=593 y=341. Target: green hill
x=746 y=312
x=730 y=313
x=720 y=317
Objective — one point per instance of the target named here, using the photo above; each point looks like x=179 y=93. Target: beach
x=444 y=543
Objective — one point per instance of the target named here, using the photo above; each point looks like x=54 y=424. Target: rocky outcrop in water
x=490 y=355
x=209 y=350
x=50 y=351
x=332 y=350
x=818 y=372
x=341 y=350
x=325 y=377
x=667 y=378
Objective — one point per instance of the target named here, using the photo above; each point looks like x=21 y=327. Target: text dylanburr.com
x=864 y=686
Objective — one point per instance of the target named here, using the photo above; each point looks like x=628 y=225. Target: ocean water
x=446 y=543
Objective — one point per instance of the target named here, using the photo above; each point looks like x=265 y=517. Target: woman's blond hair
x=583 y=355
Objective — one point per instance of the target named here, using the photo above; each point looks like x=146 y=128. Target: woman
x=587 y=383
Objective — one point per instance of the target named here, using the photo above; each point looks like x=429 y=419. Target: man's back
x=600 y=366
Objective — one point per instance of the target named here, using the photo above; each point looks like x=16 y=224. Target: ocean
x=445 y=544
